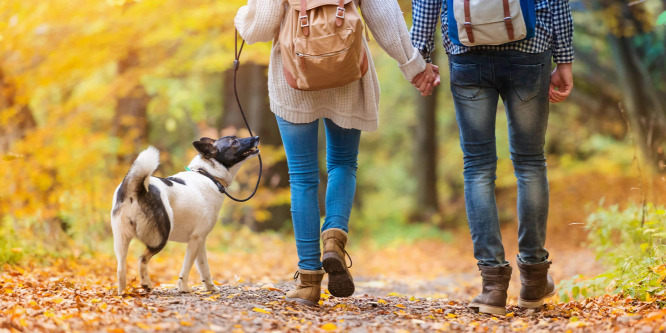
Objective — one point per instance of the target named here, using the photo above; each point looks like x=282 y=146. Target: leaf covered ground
x=417 y=287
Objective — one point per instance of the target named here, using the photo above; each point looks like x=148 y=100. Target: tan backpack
x=321 y=42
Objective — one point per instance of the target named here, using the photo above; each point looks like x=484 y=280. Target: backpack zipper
x=303 y=55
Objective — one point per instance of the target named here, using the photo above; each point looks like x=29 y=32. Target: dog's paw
x=183 y=287
x=212 y=287
x=147 y=287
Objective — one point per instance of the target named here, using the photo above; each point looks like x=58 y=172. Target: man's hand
x=561 y=83
x=427 y=80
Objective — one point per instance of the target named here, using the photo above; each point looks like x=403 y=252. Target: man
x=518 y=73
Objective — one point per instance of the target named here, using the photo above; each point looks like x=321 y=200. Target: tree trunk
x=21 y=118
x=130 y=121
x=641 y=103
x=253 y=93
x=425 y=158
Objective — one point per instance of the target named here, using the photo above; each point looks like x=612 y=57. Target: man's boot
x=492 y=299
x=536 y=284
x=340 y=281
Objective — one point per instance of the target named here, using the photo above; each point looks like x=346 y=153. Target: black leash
x=237 y=54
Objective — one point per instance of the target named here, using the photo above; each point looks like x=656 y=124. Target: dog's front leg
x=204 y=270
x=193 y=247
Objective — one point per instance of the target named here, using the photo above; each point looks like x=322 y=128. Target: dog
x=181 y=208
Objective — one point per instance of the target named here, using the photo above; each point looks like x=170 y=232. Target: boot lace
x=350 y=259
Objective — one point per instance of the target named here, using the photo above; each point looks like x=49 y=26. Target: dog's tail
x=142 y=168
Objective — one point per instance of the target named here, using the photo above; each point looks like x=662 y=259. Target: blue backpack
x=490 y=22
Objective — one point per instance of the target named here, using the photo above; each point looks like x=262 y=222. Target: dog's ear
x=206 y=149
x=207 y=140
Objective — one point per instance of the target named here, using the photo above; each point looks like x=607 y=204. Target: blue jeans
x=478 y=79
x=300 y=144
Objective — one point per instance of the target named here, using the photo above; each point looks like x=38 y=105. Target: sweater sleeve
x=388 y=27
x=259 y=20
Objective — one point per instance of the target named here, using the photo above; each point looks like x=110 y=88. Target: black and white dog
x=182 y=208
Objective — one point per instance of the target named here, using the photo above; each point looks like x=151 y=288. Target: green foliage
x=661 y=20
x=631 y=243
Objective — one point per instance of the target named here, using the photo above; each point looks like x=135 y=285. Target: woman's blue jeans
x=478 y=79
x=300 y=144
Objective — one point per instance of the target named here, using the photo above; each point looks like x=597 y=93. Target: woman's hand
x=427 y=80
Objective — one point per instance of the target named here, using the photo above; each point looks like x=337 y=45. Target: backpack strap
x=468 y=22
x=340 y=13
x=507 y=19
x=303 y=19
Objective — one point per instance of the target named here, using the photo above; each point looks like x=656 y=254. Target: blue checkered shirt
x=554 y=30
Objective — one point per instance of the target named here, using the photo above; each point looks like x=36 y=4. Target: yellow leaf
x=142 y=326
x=58 y=300
x=399 y=306
x=329 y=327
x=393 y=293
x=115 y=330
x=103 y=306
x=48 y=314
x=185 y=323
x=9 y=291
x=451 y=315
x=95 y=300
x=260 y=310
x=321 y=302
x=325 y=296
x=381 y=301
x=510 y=314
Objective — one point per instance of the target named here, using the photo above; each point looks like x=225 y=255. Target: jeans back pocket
x=465 y=80
x=526 y=80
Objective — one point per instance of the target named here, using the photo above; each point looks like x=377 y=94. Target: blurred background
x=86 y=85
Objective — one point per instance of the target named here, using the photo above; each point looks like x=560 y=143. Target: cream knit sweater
x=354 y=105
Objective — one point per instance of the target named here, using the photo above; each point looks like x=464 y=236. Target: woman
x=346 y=111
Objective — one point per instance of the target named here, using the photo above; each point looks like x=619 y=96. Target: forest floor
x=417 y=287
x=402 y=287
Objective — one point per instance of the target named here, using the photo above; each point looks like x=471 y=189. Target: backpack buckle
x=340 y=10
x=305 y=23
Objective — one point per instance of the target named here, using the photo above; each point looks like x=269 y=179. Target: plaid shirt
x=554 y=30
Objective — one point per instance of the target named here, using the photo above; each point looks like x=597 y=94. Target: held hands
x=562 y=80
x=427 y=80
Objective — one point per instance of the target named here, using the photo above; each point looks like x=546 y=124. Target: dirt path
x=71 y=296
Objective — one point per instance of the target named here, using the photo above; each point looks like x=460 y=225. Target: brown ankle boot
x=493 y=294
x=536 y=284
x=340 y=281
x=308 y=291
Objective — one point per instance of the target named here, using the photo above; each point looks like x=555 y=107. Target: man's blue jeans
x=300 y=144
x=478 y=79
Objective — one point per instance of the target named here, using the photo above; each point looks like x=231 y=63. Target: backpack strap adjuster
x=340 y=13
x=305 y=22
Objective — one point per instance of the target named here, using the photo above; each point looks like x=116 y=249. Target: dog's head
x=229 y=150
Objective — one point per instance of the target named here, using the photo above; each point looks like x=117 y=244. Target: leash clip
x=236 y=64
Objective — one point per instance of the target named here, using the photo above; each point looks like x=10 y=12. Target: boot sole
x=302 y=302
x=340 y=283
x=489 y=309
x=531 y=304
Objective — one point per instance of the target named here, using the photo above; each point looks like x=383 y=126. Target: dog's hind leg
x=204 y=270
x=148 y=253
x=120 y=246
x=193 y=248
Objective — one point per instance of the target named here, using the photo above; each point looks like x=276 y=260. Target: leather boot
x=493 y=293
x=308 y=290
x=536 y=284
x=340 y=281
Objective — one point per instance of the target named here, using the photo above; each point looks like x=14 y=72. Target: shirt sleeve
x=388 y=27
x=259 y=20
x=562 y=32
x=425 y=15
